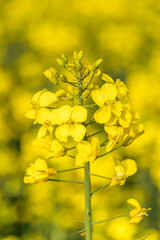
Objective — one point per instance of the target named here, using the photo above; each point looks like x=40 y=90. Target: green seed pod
x=80 y=55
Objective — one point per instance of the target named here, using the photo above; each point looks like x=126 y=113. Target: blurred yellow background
x=33 y=33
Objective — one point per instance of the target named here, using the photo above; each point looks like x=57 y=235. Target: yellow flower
x=69 y=119
x=124 y=136
x=54 y=147
x=38 y=172
x=87 y=151
x=137 y=213
x=39 y=101
x=110 y=108
x=123 y=170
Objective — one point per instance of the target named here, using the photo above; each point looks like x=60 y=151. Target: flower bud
x=60 y=62
x=64 y=58
x=97 y=63
x=80 y=55
x=63 y=78
x=52 y=75
x=86 y=72
x=78 y=65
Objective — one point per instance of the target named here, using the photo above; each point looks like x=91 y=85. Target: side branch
x=66 y=181
x=106 y=220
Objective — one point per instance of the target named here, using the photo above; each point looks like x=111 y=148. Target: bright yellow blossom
x=87 y=151
x=123 y=170
x=137 y=213
x=39 y=101
x=69 y=120
x=38 y=172
x=124 y=136
x=54 y=147
x=110 y=108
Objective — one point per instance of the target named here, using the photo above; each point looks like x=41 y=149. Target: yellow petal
x=77 y=131
x=95 y=144
x=125 y=119
x=62 y=132
x=102 y=115
x=47 y=98
x=40 y=165
x=31 y=114
x=97 y=97
x=42 y=132
x=42 y=115
x=112 y=121
x=36 y=96
x=117 y=108
x=80 y=159
x=56 y=150
x=110 y=145
x=84 y=148
x=130 y=166
x=120 y=172
x=42 y=143
x=64 y=113
x=79 y=114
x=134 y=202
x=136 y=219
x=109 y=92
x=107 y=78
x=113 y=131
x=53 y=117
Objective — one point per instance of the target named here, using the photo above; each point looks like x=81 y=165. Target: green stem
x=109 y=152
x=100 y=176
x=66 y=181
x=87 y=181
x=71 y=169
x=146 y=236
x=106 y=220
x=94 y=134
x=88 y=211
x=99 y=189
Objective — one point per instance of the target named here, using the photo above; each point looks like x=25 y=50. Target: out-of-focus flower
x=38 y=172
x=137 y=213
x=69 y=119
x=123 y=170
x=54 y=147
x=87 y=151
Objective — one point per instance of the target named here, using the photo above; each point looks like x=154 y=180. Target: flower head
x=123 y=170
x=38 y=172
x=137 y=213
x=87 y=151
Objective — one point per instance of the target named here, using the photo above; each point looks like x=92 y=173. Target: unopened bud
x=97 y=63
x=60 y=62
x=86 y=72
x=78 y=65
x=63 y=78
x=64 y=58
x=80 y=55
x=52 y=75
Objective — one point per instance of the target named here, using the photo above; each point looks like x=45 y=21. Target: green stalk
x=87 y=181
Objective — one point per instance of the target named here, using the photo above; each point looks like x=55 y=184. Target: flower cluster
x=65 y=117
